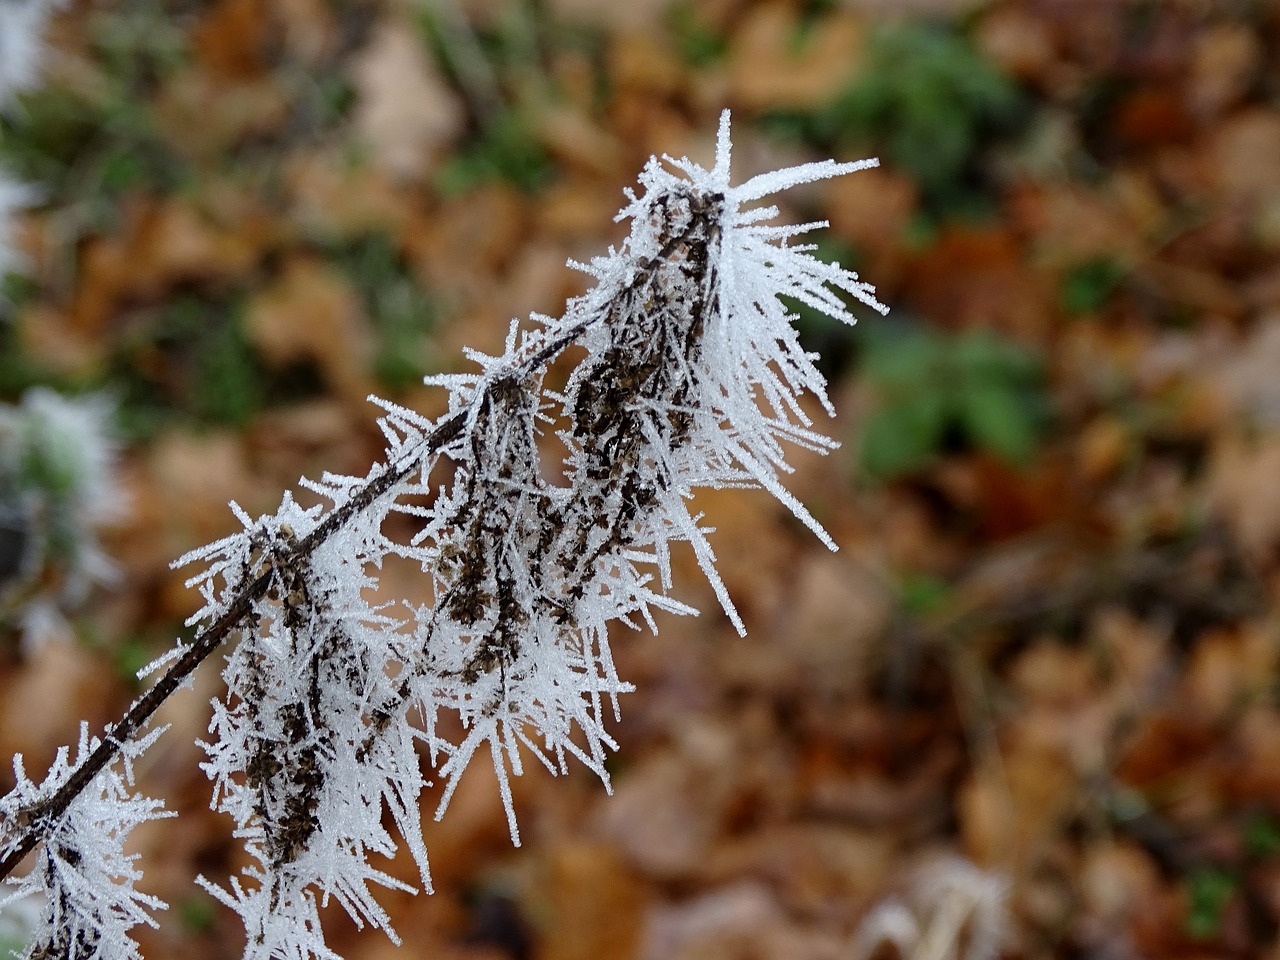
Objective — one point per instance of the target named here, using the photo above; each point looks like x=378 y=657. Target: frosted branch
x=690 y=377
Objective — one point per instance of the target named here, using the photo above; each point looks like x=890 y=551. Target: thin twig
x=205 y=643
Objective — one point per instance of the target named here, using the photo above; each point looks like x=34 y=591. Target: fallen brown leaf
x=405 y=111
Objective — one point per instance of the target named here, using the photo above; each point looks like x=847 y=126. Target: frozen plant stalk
x=691 y=376
x=83 y=877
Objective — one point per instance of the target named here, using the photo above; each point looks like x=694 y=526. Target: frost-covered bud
x=58 y=486
x=688 y=376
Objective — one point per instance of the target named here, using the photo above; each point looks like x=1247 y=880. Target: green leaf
x=1000 y=419
x=982 y=355
x=906 y=360
x=976 y=388
x=903 y=436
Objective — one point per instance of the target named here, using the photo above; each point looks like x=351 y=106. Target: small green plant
x=76 y=147
x=86 y=144
x=57 y=487
x=1209 y=890
x=198 y=912
x=190 y=358
x=401 y=313
x=699 y=43
x=1262 y=837
x=920 y=594
x=506 y=149
x=938 y=392
x=1088 y=285
x=928 y=102
x=497 y=69
x=187 y=359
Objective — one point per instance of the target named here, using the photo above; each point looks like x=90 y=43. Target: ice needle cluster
x=83 y=881
x=690 y=375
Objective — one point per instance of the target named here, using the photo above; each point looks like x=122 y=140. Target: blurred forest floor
x=1049 y=644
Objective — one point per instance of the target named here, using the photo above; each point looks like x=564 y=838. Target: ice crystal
x=82 y=876
x=689 y=374
x=691 y=378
